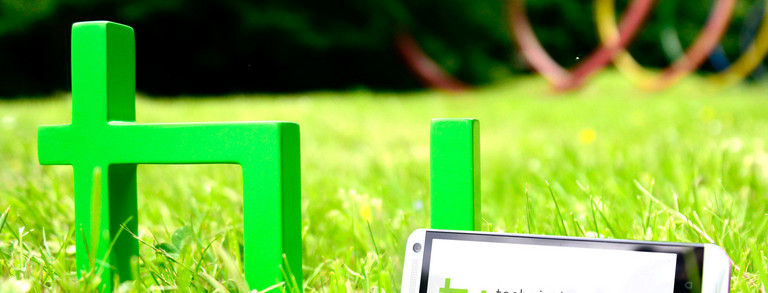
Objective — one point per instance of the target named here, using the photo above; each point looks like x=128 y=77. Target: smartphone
x=443 y=261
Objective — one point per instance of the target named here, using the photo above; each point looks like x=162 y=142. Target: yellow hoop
x=694 y=56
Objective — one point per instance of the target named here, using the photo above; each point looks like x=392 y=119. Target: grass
x=689 y=164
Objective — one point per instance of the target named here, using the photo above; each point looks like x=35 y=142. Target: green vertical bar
x=103 y=73
x=103 y=81
x=455 y=174
x=272 y=211
x=290 y=155
x=121 y=73
x=89 y=73
x=123 y=209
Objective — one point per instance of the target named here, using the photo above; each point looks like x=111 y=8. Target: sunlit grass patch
x=609 y=161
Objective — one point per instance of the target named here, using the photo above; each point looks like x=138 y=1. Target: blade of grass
x=676 y=213
x=561 y=220
x=4 y=217
x=529 y=211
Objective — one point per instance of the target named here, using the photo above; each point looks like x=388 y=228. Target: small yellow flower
x=707 y=114
x=587 y=135
x=365 y=212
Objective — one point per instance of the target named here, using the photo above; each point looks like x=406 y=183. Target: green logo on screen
x=447 y=288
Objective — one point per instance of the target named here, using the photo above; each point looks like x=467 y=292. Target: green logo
x=447 y=288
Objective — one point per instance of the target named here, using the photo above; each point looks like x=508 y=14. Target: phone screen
x=468 y=263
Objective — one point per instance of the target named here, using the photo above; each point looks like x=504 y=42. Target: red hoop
x=427 y=70
x=559 y=77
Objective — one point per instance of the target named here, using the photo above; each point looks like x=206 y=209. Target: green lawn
x=689 y=164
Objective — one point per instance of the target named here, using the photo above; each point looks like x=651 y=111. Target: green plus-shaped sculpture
x=104 y=135
x=455 y=174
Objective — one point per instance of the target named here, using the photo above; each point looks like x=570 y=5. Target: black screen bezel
x=683 y=251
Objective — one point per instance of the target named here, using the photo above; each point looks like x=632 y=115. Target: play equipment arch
x=753 y=43
x=559 y=77
x=694 y=56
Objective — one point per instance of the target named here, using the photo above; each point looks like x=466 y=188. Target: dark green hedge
x=228 y=46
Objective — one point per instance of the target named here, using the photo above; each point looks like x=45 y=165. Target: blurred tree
x=231 y=46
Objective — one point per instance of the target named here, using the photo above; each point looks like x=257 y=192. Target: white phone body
x=483 y=262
